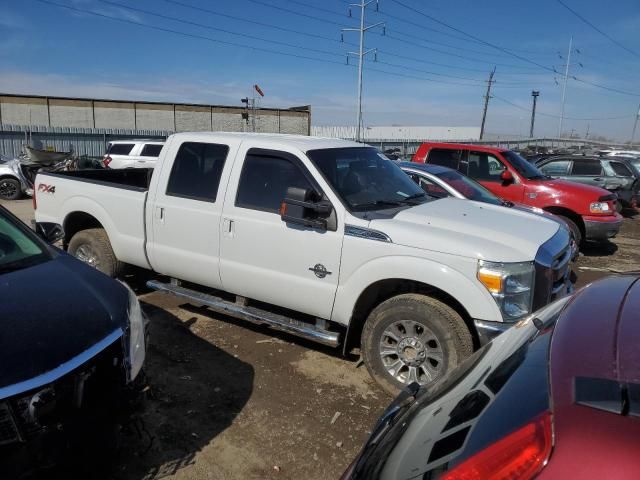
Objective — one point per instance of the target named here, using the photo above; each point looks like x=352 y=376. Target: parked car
x=13 y=183
x=557 y=396
x=322 y=238
x=72 y=344
x=132 y=153
x=441 y=182
x=616 y=174
x=589 y=211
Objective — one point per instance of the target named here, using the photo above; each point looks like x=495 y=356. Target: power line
x=558 y=116
x=215 y=29
x=234 y=44
x=604 y=34
x=551 y=69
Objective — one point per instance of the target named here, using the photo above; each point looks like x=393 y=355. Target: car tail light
x=106 y=161
x=521 y=454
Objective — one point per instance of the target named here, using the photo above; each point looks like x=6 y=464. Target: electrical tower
x=635 y=125
x=564 y=86
x=361 y=53
x=535 y=95
x=486 y=101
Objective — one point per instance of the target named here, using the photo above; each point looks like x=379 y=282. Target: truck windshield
x=17 y=249
x=365 y=179
x=524 y=168
x=468 y=187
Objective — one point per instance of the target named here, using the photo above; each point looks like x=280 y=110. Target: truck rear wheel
x=92 y=246
x=413 y=338
x=10 y=189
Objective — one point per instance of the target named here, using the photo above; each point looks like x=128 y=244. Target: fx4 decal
x=43 y=187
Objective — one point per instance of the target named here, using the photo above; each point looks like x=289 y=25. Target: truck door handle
x=598 y=179
x=228 y=227
x=160 y=213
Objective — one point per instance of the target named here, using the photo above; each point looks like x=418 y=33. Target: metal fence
x=82 y=141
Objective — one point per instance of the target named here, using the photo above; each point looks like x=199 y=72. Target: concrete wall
x=23 y=111
x=114 y=115
x=110 y=114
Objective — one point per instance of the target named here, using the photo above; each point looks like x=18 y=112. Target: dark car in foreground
x=72 y=345
x=555 y=396
x=616 y=174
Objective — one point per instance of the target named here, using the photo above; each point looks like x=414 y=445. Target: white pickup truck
x=322 y=238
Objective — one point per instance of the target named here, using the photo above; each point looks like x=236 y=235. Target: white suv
x=132 y=154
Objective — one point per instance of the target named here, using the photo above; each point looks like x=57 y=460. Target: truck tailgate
x=119 y=209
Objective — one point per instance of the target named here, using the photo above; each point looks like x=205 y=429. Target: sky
x=431 y=67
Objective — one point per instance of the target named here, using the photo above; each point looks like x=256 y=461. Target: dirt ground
x=228 y=400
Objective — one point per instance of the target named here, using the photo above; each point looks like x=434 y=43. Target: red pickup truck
x=589 y=211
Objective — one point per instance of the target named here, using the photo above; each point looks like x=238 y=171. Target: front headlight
x=510 y=284
x=135 y=336
x=599 y=207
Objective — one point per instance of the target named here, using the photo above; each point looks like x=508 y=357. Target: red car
x=556 y=396
x=589 y=211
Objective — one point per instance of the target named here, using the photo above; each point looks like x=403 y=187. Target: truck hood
x=470 y=229
x=591 y=193
x=52 y=313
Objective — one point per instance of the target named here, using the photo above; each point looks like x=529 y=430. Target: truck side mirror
x=302 y=207
x=506 y=177
x=49 y=232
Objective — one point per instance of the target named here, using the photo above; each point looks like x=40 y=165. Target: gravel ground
x=228 y=400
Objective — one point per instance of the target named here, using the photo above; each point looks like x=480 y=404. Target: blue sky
x=434 y=75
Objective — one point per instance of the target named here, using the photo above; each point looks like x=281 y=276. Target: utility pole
x=486 y=102
x=534 y=94
x=564 y=87
x=361 y=53
x=635 y=125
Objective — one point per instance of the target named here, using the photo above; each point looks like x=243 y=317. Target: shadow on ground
x=183 y=412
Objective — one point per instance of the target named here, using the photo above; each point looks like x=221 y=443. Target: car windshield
x=18 y=249
x=524 y=168
x=365 y=179
x=468 y=187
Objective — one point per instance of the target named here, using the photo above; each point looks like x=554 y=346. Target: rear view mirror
x=506 y=177
x=49 y=232
x=301 y=207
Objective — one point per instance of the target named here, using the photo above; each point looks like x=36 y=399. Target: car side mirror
x=506 y=177
x=49 y=232
x=301 y=207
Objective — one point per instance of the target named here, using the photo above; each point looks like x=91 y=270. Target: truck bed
x=129 y=178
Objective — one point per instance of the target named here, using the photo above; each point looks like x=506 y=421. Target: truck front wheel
x=413 y=338
x=92 y=246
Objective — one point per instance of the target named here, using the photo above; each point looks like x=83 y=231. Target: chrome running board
x=251 y=314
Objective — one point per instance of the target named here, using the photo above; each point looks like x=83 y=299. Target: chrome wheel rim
x=86 y=254
x=8 y=189
x=411 y=352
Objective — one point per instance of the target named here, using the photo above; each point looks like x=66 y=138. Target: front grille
x=8 y=429
x=553 y=270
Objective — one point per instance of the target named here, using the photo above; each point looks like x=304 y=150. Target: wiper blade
x=379 y=203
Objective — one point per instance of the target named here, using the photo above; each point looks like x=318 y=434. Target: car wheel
x=413 y=338
x=10 y=189
x=619 y=206
x=575 y=229
x=92 y=246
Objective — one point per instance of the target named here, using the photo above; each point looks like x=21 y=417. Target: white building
x=400 y=133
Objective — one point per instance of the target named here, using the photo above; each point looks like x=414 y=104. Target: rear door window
x=196 y=171
x=120 y=148
x=264 y=182
x=151 y=150
x=620 y=169
x=555 y=168
x=445 y=157
x=483 y=166
x=589 y=168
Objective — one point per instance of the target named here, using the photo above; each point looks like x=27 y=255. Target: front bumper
x=602 y=228
x=487 y=331
x=79 y=412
